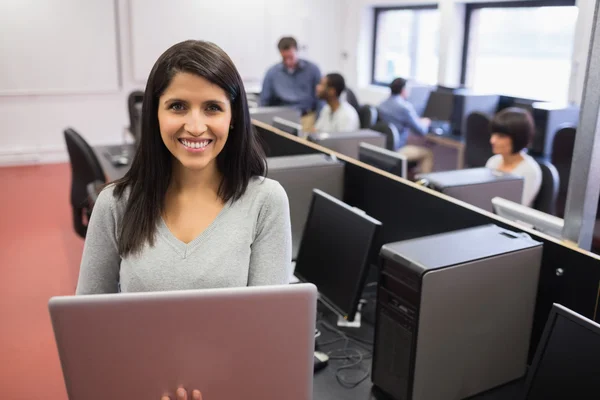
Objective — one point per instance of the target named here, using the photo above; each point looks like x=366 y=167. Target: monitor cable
x=352 y=373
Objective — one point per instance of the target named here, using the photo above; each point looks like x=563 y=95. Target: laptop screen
x=567 y=362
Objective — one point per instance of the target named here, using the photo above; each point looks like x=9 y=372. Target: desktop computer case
x=476 y=186
x=299 y=175
x=454 y=313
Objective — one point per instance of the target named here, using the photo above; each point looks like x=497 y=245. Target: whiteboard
x=58 y=46
x=237 y=26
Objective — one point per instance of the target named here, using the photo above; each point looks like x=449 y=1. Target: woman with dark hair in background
x=195 y=210
x=512 y=130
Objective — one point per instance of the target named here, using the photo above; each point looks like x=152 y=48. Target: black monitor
x=567 y=360
x=293 y=128
x=440 y=106
x=384 y=159
x=337 y=247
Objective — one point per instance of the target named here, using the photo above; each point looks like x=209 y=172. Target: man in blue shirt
x=398 y=111
x=292 y=83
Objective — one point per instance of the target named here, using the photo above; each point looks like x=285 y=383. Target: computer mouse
x=120 y=160
x=438 y=131
x=320 y=361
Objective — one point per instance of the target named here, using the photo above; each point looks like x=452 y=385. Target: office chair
x=478 y=149
x=351 y=99
x=85 y=169
x=367 y=115
x=392 y=136
x=392 y=141
x=562 y=157
x=546 y=198
x=135 y=97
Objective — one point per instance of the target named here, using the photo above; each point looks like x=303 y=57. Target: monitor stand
x=342 y=323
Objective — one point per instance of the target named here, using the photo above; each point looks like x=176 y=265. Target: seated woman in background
x=512 y=130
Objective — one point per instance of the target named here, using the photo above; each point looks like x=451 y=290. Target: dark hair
x=397 y=85
x=148 y=179
x=515 y=123
x=286 y=43
x=337 y=82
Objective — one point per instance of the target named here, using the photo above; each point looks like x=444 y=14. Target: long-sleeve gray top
x=248 y=244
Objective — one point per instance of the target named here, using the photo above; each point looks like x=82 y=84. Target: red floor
x=39 y=258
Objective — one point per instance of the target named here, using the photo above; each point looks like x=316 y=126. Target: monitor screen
x=440 y=106
x=567 y=360
x=384 y=159
x=335 y=252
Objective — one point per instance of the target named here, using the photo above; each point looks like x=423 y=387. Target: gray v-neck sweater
x=248 y=244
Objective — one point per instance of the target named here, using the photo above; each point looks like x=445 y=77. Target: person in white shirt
x=512 y=130
x=336 y=115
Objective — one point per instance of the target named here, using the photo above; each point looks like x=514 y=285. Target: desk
x=111 y=171
x=326 y=386
x=453 y=142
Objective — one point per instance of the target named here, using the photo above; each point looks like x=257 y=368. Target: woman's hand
x=183 y=395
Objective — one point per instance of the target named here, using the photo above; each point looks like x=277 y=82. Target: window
x=406 y=42
x=520 y=49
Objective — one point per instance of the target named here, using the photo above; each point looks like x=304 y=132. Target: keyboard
x=118 y=156
x=116 y=151
x=440 y=127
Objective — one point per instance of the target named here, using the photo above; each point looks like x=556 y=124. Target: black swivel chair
x=563 y=145
x=392 y=136
x=134 y=99
x=392 y=141
x=351 y=99
x=367 y=115
x=85 y=169
x=478 y=149
x=546 y=198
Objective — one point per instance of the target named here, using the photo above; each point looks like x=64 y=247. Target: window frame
x=470 y=7
x=376 y=13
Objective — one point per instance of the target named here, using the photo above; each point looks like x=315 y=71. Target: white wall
x=32 y=125
x=358 y=39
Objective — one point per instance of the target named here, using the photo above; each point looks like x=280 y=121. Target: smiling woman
x=195 y=210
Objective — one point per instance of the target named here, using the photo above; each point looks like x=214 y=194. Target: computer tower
x=454 y=313
x=266 y=114
x=299 y=175
x=476 y=186
x=548 y=118
x=347 y=143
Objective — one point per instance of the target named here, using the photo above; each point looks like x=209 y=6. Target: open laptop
x=567 y=360
x=234 y=343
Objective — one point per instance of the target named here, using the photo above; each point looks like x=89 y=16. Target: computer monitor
x=293 y=128
x=384 y=159
x=337 y=246
x=440 y=106
x=566 y=364
x=526 y=216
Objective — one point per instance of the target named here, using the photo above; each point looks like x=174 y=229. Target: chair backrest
x=391 y=133
x=478 y=149
x=351 y=99
x=367 y=115
x=85 y=167
x=134 y=98
x=546 y=198
x=562 y=157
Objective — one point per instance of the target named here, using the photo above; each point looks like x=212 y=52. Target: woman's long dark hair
x=148 y=179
